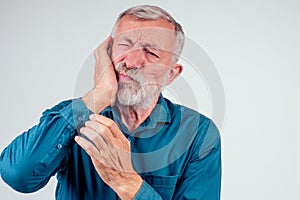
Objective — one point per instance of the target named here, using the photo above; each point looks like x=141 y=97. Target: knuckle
x=93 y=137
x=89 y=148
x=110 y=123
x=97 y=117
x=105 y=130
x=106 y=136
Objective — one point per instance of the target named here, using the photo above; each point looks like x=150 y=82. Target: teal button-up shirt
x=175 y=150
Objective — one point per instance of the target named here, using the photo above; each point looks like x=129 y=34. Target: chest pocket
x=163 y=185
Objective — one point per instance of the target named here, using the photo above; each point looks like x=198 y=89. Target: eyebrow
x=152 y=46
x=126 y=39
x=146 y=45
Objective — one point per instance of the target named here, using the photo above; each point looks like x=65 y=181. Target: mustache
x=121 y=67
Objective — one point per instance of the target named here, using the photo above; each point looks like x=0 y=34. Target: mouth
x=124 y=78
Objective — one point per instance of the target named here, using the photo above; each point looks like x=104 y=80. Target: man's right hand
x=105 y=82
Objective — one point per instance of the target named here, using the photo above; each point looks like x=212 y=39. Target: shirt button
x=129 y=139
x=79 y=118
x=59 y=146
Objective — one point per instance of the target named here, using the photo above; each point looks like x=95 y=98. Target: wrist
x=94 y=101
x=131 y=186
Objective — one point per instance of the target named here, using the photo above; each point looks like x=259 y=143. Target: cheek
x=156 y=70
x=154 y=75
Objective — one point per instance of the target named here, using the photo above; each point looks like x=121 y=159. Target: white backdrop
x=254 y=45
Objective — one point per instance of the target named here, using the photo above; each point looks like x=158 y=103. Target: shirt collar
x=160 y=113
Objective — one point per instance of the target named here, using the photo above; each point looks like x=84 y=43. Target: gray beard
x=137 y=96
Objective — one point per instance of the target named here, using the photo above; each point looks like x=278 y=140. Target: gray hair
x=148 y=12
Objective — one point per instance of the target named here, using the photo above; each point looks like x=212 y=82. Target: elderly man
x=123 y=139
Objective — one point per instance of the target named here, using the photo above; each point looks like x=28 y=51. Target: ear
x=175 y=70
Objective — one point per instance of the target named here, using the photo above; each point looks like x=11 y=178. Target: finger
x=102 y=51
x=106 y=44
x=89 y=148
x=103 y=61
x=103 y=46
x=101 y=129
x=93 y=137
x=113 y=127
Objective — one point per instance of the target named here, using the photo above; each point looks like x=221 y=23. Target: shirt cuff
x=76 y=114
x=147 y=192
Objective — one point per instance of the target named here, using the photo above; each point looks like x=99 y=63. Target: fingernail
x=80 y=130
x=92 y=116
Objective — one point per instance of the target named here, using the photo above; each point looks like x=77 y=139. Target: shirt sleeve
x=147 y=192
x=29 y=161
x=202 y=177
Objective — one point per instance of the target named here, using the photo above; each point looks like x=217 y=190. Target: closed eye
x=123 y=44
x=151 y=53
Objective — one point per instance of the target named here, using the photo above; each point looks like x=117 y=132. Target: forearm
x=33 y=157
x=95 y=101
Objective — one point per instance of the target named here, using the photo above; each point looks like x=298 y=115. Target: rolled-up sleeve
x=29 y=161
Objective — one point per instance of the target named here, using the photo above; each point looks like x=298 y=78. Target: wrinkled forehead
x=159 y=33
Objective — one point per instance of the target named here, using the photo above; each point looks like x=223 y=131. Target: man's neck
x=133 y=116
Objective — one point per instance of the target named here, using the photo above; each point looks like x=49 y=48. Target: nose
x=135 y=58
